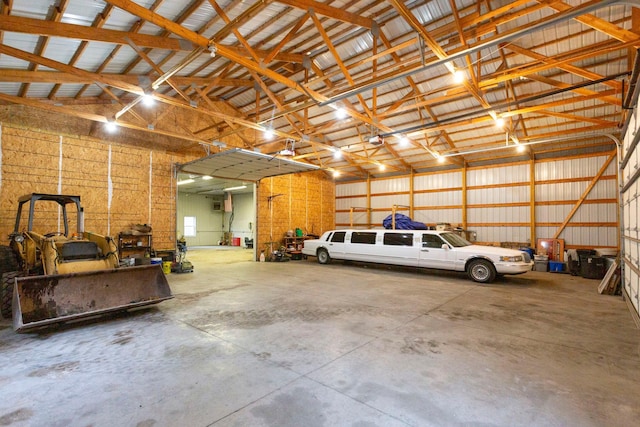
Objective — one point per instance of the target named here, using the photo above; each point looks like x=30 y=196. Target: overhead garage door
x=631 y=208
x=244 y=165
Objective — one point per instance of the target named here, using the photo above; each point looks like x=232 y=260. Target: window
x=338 y=237
x=398 y=239
x=189 y=226
x=431 y=241
x=367 y=238
x=455 y=240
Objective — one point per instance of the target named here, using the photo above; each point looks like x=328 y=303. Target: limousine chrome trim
x=444 y=250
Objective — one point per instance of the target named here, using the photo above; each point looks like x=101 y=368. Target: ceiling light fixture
x=239 y=187
x=499 y=122
x=459 y=76
x=381 y=167
x=403 y=141
x=341 y=114
x=147 y=100
x=206 y=178
x=268 y=133
x=336 y=174
x=337 y=153
x=186 y=181
x=111 y=126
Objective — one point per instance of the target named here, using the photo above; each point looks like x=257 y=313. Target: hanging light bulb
x=459 y=76
x=148 y=100
x=111 y=126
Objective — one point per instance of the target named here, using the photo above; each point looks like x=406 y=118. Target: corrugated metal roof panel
x=36 y=9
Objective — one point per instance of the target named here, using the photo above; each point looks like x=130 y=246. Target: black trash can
x=593 y=267
x=583 y=255
x=574 y=266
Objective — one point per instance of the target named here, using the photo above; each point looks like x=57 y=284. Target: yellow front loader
x=62 y=276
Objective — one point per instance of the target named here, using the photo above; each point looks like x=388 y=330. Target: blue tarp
x=403 y=222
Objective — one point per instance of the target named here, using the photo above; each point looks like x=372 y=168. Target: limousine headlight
x=511 y=258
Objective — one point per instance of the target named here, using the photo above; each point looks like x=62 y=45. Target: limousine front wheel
x=323 y=256
x=481 y=270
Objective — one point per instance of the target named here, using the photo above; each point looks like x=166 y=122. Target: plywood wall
x=305 y=201
x=119 y=185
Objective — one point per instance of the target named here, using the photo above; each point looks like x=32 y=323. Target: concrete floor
x=302 y=344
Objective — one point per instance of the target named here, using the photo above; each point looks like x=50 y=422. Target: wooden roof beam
x=58 y=77
x=331 y=12
x=563 y=66
x=80 y=32
x=30 y=57
x=597 y=24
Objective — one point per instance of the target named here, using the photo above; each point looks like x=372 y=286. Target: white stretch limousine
x=443 y=250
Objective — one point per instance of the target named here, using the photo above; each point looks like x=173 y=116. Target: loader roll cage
x=61 y=200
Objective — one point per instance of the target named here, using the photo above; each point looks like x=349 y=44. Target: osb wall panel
x=25 y=169
x=305 y=201
x=119 y=185
x=163 y=200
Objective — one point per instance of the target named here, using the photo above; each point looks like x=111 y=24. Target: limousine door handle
x=424 y=250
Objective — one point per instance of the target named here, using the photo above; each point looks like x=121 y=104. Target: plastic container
x=166 y=267
x=556 y=267
x=593 y=267
x=541 y=265
x=574 y=267
x=156 y=261
x=235 y=241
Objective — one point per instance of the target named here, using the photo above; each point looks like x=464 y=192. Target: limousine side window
x=338 y=236
x=432 y=241
x=398 y=239
x=363 y=237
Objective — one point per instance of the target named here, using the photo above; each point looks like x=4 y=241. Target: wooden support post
x=393 y=217
x=532 y=201
x=464 y=196
x=411 y=184
x=368 y=200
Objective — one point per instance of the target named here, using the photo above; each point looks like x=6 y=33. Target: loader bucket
x=44 y=300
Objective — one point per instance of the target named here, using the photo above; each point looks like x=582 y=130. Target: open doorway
x=220 y=188
x=215 y=213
